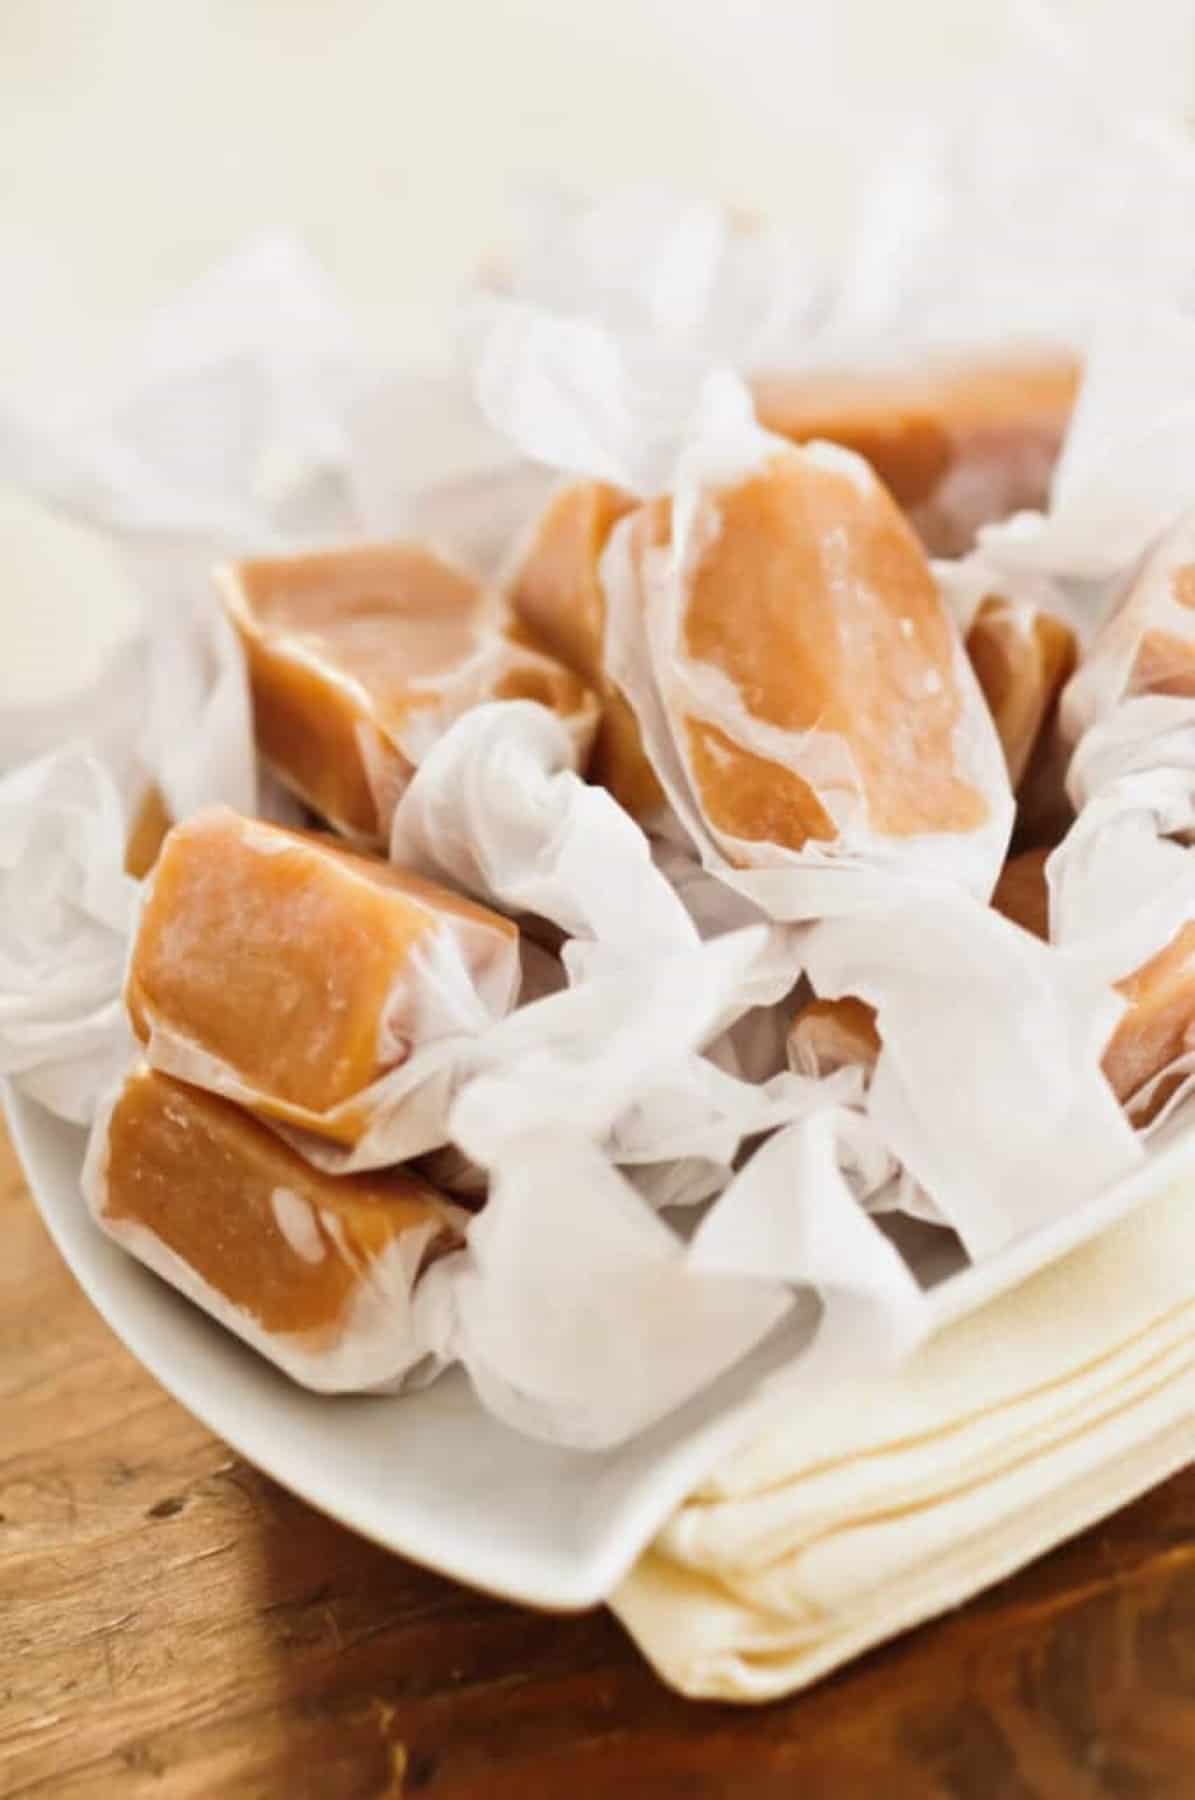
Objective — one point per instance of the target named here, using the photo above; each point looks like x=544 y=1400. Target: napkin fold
x=884 y=1500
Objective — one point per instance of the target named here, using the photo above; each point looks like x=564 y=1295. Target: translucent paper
x=66 y=914
x=661 y=1193
x=896 y=920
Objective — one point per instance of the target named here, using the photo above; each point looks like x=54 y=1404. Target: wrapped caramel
x=829 y=804
x=294 y=975
x=958 y=444
x=806 y=702
x=314 y=1271
x=359 y=658
x=801 y=687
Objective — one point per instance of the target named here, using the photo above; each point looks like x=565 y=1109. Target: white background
x=142 y=139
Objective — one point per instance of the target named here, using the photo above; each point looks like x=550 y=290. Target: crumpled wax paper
x=67 y=908
x=566 y=1268
x=629 y=1250
x=1111 y=553
x=967 y=1003
x=1116 y=544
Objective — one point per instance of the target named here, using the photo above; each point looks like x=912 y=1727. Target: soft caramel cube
x=297 y=970
x=958 y=444
x=289 y=1250
x=1022 y=893
x=1021 y=657
x=811 y=604
x=1159 y=1024
x=359 y=658
x=557 y=595
x=827 y=1035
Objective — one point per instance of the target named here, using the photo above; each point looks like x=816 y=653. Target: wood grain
x=174 y=1625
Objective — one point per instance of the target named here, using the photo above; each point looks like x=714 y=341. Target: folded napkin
x=883 y=1501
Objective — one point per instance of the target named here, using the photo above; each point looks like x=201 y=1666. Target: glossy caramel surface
x=278 y=953
x=812 y=598
x=286 y=1244
x=994 y=425
x=345 y=648
x=557 y=598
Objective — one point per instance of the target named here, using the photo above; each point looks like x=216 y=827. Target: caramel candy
x=358 y=659
x=1146 y=645
x=958 y=444
x=291 y=973
x=1159 y=1024
x=313 y=1269
x=147 y=833
x=557 y=595
x=1021 y=657
x=1022 y=894
x=827 y=1035
x=813 y=633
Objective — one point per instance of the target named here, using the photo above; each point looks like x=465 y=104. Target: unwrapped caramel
x=291 y=973
x=359 y=659
x=557 y=595
x=958 y=444
x=1021 y=657
x=313 y=1269
x=816 y=689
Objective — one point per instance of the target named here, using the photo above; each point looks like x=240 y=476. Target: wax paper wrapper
x=251 y=420
x=498 y=810
x=350 y=1295
x=663 y=420
x=67 y=908
x=1120 y=483
x=1121 y=478
x=255 y=426
x=566 y=1270
x=1116 y=549
x=70 y=915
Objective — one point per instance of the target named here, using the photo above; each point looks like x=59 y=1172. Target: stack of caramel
x=279 y=976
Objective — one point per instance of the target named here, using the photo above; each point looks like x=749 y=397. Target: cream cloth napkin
x=882 y=1502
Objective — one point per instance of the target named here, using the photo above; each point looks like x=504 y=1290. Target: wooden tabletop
x=173 y=1624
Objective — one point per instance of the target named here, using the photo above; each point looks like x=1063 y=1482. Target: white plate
x=431 y=1475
